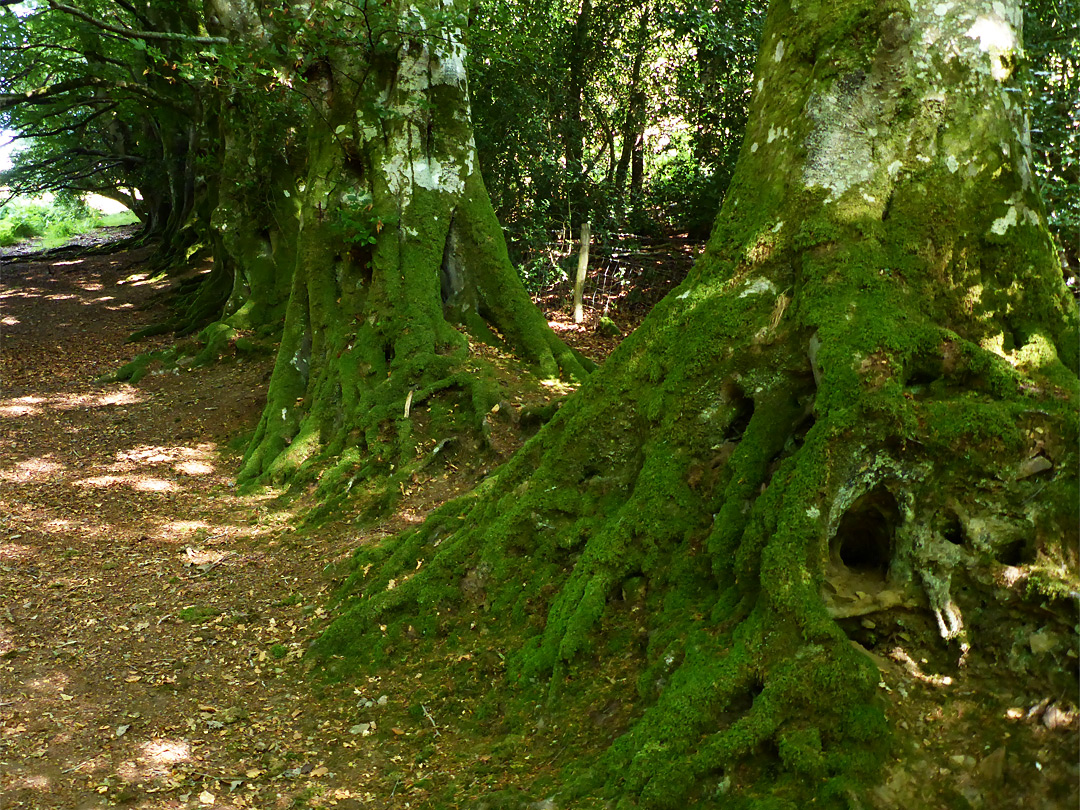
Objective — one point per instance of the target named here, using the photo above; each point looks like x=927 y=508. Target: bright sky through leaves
x=6 y=148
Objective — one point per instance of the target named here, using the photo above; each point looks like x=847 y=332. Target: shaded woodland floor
x=153 y=621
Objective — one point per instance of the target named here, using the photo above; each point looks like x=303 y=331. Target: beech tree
x=109 y=106
x=397 y=242
x=258 y=162
x=864 y=393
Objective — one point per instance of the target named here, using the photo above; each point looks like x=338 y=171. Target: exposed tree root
x=822 y=402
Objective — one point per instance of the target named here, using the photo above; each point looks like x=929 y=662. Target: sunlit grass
x=53 y=223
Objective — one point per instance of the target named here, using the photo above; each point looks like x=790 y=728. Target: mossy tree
x=108 y=107
x=247 y=215
x=258 y=154
x=255 y=220
x=869 y=377
x=397 y=241
x=250 y=224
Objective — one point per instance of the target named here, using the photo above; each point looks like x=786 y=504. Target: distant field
x=54 y=221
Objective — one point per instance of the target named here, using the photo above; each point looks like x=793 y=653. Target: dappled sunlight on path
x=148 y=628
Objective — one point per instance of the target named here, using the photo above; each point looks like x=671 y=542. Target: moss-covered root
x=196 y=302
x=814 y=711
x=134 y=370
x=729 y=521
x=865 y=376
x=358 y=405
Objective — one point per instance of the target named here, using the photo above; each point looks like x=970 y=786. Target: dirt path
x=151 y=620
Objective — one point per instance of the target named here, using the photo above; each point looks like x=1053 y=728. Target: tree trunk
x=252 y=215
x=573 y=129
x=179 y=133
x=582 y=271
x=863 y=395
x=637 y=168
x=397 y=242
x=633 y=129
x=255 y=221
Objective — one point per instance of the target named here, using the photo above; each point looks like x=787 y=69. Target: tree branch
x=130 y=33
x=134 y=12
x=42 y=95
x=110 y=106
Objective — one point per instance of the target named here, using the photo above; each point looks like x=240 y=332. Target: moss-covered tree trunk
x=865 y=391
x=244 y=208
x=397 y=242
x=256 y=215
x=253 y=223
x=256 y=219
x=252 y=226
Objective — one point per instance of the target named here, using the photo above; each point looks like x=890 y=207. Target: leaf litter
x=152 y=621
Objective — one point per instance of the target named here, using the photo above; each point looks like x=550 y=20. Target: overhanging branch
x=42 y=95
x=47 y=94
x=131 y=33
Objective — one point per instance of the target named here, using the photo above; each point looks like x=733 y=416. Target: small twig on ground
x=427 y=714
x=1033 y=494
x=558 y=754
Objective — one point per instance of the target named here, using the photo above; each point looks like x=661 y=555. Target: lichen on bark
x=864 y=379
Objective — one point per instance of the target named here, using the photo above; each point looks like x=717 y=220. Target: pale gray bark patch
x=847 y=145
x=424 y=63
x=855 y=130
x=239 y=17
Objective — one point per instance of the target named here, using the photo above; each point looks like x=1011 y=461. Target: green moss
x=683 y=503
x=197 y=614
x=368 y=326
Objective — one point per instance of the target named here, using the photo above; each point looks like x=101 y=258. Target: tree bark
x=582 y=271
x=633 y=129
x=863 y=395
x=573 y=128
x=397 y=242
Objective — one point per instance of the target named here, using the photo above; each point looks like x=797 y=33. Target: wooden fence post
x=582 y=268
